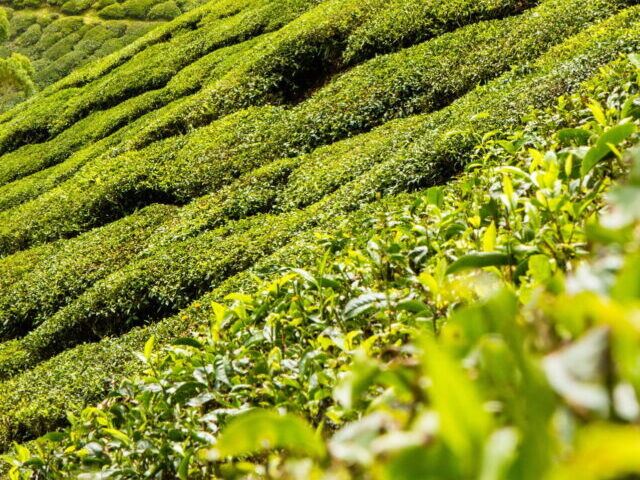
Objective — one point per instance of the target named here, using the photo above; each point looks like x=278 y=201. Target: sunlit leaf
x=464 y=423
x=614 y=136
x=261 y=430
x=480 y=260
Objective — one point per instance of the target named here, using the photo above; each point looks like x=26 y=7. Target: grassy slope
x=260 y=122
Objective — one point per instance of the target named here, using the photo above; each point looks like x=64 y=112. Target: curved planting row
x=257 y=214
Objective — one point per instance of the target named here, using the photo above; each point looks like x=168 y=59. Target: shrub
x=164 y=11
x=16 y=72
x=75 y=7
x=187 y=263
x=247 y=117
x=114 y=11
x=378 y=91
x=403 y=23
x=383 y=354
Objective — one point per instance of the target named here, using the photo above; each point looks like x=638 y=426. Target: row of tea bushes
x=217 y=253
x=443 y=334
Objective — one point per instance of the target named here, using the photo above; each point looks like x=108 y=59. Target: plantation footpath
x=353 y=219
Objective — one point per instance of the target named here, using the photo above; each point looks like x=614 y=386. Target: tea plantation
x=321 y=239
x=58 y=37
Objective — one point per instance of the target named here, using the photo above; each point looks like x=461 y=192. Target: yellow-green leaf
x=489 y=238
x=261 y=430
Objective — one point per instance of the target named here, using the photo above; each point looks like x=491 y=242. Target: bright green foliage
x=178 y=269
x=213 y=156
x=158 y=179
x=59 y=38
x=403 y=366
x=404 y=22
x=71 y=268
x=16 y=78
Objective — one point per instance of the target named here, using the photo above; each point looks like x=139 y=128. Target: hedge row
x=422 y=78
x=57 y=43
x=405 y=22
x=220 y=31
x=177 y=45
x=200 y=262
x=37 y=400
x=392 y=343
x=73 y=266
x=282 y=51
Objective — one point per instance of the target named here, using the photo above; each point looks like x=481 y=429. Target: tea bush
x=480 y=316
x=57 y=43
x=165 y=279
x=394 y=86
x=253 y=141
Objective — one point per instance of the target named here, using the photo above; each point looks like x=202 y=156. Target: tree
x=16 y=72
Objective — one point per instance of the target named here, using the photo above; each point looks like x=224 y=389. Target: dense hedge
x=262 y=10
x=403 y=23
x=210 y=240
x=161 y=62
x=422 y=78
x=165 y=279
x=59 y=43
x=395 y=340
x=73 y=266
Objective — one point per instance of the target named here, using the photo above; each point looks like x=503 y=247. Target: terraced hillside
x=154 y=180
x=60 y=36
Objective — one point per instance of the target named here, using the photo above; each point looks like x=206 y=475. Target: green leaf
x=634 y=58
x=579 y=136
x=574 y=372
x=598 y=113
x=148 y=348
x=306 y=275
x=540 y=268
x=602 y=451
x=188 y=342
x=326 y=282
x=33 y=462
x=117 y=434
x=364 y=303
x=54 y=436
x=361 y=375
x=22 y=453
x=187 y=391
x=183 y=468
x=261 y=430
x=464 y=423
x=499 y=454
x=489 y=238
x=435 y=196
x=627 y=285
x=413 y=306
x=614 y=136
x=480 y=260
